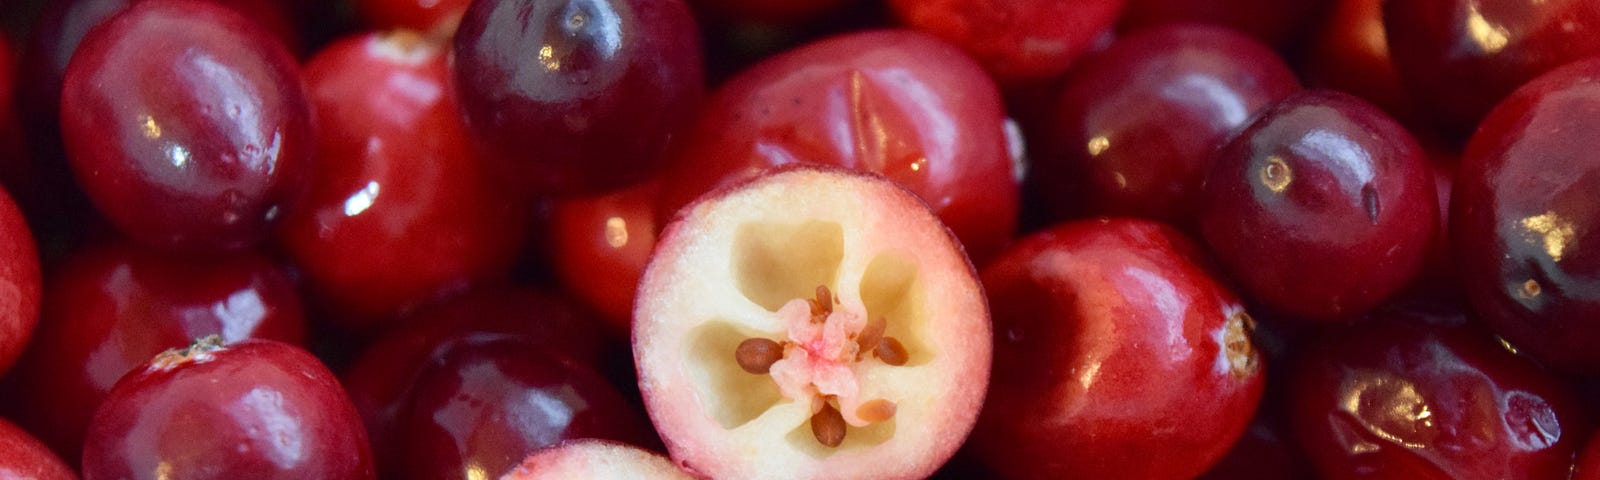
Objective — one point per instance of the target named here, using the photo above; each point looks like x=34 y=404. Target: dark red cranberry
x=111 y=307
x=578 y=96
x=19 y=283
x=253 y=409
x=1116 y=356
x=898 y=103
x=1418 y=395
x=1350 y=53
x=599 y=248
x=438 y=18
x=187 y=125
x=771 y=12
x=1018 y=41
x=1588 y=467
x=1276 y=22
x=1135 y=129
x=1460 y=57
x=1525 y=222
x=1322 y=208
x=483 y=406
x=23 y=457
x=403 y=209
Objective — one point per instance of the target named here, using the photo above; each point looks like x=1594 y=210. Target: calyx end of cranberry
x=200 y=351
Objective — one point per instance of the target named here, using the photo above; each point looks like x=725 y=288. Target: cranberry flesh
x=1018 y=41
x=1461 y=57
x=1276 y=22
x=1525 y=223
x=402 y=208
x=111 y=307
x=600 y=246
x=253 y=409
x=578 y=96
x=1322 y=208
x=24 y=457
x=897 y=103
x=186 y=124
x=1134 y=131
x=19 y=283
x=1401 y=398
x=484 y=406
x=1116 y=356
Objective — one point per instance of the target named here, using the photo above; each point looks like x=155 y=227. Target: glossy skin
x=1109 y=361
x=484 y=406
x=1588 y=467
x=1018 y=41
x=776 y=12
x=1322 y=186
x=1350 y=53
x=1276 y=22
x=578 y=96
x=599 y=248
x=380 y=381
x=1461 y=57
x=436 y=17
x=1135 y=129
x=186 y=125
x=254 y=409
x=397 y=169
x=111 y=307
x=24 y=457
x=1401 y=398
x=1525 y=225
x=19 y=283
x=897 y=103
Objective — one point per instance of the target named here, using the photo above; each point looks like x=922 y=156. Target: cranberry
x=777 y=12
x=24 y=457
x=252 y=409
x=1134 y=130
x=111 y=307
x=1422 y=395
x=1018 y=41
x=483 y=406
x=600 y=248
x=898 y=103
x=582 y=95
x=1276 y=22
x=187 y=125
x=395 y=169
x=1116 y=356
x=1322 y=208
x=1525 y=224
x=1350 y=53
x=436 y=17
x=19 y=283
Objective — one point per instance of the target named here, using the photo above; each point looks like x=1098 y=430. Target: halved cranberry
x=23 y=457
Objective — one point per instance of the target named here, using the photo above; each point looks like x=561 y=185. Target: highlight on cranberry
x=811 y=323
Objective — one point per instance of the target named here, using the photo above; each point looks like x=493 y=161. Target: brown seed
x=875 y=411
x=756 y=355
x=870 y=335
x=891 y=352
x=821 y=306
x=828 y=425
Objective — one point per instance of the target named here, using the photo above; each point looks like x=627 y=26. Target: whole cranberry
x=403 y=208
x=1406 y=396
x=1116 y=356
x=187 y=125
x=1018 y=41
x=110 y=307
x=1322 y=208
x=578 y=96
x=1277 y=22
x=253 y=409
x=1350 y=53
x=1525 y=223
x=1136 y=126
x=898 y=103
x=1459 y=58
x=599 y=248
x=19 y=283
x=23 y=457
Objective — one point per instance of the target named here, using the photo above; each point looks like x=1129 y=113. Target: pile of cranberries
x=821 y=239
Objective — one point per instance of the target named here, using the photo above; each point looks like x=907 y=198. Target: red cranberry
x=898 y=103
x=19 y=283
x=1588 y=467
x=600 y=246
x=24 y=457
x=1135 y=128
x=186 y=124
x=252 y=409
x=1408 y=396
x=1322 y=208
x=582 y=95
x=395 y=171
x=483 y=406
x=1276 y=22
x=1350 y=53
x=436 y=17
x=1116 y=356
x=1018 y=41
x=109 y=308
x=1525 y=222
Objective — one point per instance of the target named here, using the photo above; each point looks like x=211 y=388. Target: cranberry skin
x=19 y=283
x=395 y=169
x=1461 y=57
x=253 y=409
x=1018 y=41
x=1116 y=356
x=1525 y=224
x=898 y=103
x=1135 y=129
x=24 y=457
x=1276 y=22
x=1397 y=398
x=186 y=125
x=578 y=96
x=774 y=12
x=1321 y=186
x=600 y=246
x=484 y=406
x=437 y=17
x=1350 y=53
x=1588 y=467
x=111 y=307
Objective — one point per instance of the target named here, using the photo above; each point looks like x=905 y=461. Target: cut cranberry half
x=595 y=460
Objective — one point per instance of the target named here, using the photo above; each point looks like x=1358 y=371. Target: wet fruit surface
x=1018 y=41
